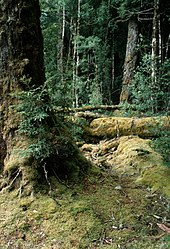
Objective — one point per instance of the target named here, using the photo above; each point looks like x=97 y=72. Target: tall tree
x=22 y=69
x=156 y=42
x=100 y=45
x=130 y=58
x=21 y=58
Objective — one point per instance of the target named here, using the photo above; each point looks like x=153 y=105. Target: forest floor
x=123 y=202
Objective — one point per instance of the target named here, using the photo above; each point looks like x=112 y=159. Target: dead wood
x=110 y=127
x=87 y=108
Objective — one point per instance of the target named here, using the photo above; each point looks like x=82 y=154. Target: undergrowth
x=162 y=145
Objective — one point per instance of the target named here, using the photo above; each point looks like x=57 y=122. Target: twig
x=46 y=177
x=14 y=178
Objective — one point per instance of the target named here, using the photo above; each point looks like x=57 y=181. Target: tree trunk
x=111 y=127
x=156 y=54
x=61 y=36
x=21 y=59
x=130 y=58
x=76 y=58
x=155 y=43
x=164 y=7
x=21 y=68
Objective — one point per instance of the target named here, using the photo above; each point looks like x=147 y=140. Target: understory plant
x=151 y=96
x=162 y=145
x=34 y=110
x=50 y=143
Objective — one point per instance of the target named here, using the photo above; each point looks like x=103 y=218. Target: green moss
x=111 y=207
x=107 y=209
x=122 y=126
x=25 y=203
x=158 y=179
x=133 y=156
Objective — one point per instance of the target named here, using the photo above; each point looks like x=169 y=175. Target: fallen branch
x=87 y=108
x=164 y=228
x=89 y=115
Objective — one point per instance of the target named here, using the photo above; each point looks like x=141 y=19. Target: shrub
x=146 y=96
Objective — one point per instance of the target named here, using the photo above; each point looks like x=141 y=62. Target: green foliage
x=162 y=145
x=34 y=109
x=51 y=19
x=95 y=97
x=76 y=128
x=49 y=142
x=84 y=51
x=165 y=242
x=149 y=97
x=93 y=47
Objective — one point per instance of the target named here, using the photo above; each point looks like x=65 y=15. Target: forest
x=107 y=52
x=85 y=124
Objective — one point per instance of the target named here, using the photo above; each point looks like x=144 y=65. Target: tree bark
x=21 y=59
x=155 y=43
x=130 y=58
x=61 y=35
x=22 y=68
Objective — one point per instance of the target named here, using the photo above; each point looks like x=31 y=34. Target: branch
x=87 y=108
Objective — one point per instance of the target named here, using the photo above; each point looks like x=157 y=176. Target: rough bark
x=21 y=59
x=130 y=58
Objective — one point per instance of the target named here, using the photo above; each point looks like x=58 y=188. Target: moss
x=44 y=205
x=117 y=203
x=133 y=157
x=122 y=126
x=157 y=178
x=17 y=158
x=93 y=215
x=25 y=203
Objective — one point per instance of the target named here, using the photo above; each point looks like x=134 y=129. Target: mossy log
x=111 y=127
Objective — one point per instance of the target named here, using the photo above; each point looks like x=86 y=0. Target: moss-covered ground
x=123 y=202
x=103 y=211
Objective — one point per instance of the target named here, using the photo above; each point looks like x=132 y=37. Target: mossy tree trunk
x=21 y=60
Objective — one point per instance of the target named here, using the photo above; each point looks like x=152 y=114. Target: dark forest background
x=107 y=52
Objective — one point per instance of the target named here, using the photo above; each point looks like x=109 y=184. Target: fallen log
x=89 y=116
x=111 y=127
x=87 y=108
